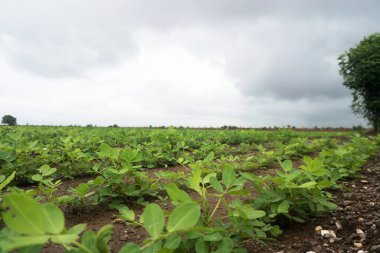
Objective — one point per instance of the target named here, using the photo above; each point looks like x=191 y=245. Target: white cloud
x=197 y=63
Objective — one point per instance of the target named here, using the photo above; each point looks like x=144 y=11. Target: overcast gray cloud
x=187 y=62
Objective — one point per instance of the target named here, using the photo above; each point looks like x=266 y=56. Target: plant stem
x=221 y=197
x=82 y=247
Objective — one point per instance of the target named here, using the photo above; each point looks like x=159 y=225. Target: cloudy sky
x=179 y=62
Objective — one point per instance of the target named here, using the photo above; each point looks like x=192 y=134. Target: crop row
x=191 y=223
x=72 y=151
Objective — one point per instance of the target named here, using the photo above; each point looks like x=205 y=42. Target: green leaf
x=3 y=155
x=31 y=249
x=183 y=217
x=37 y=177
x=206 y=179
x=287 y=165
x=88 y=240
x=7 y=181
x=154 y=248
x=216 y=184
x=77 y=229
x=297 y=219
x=242 y=192
x=45 y=170
x=108 y=152
x=229 y=177
x=50 y=171
x=176 y=194
x=15 y=136
x=10 y=240
x=210 y=157
x=226 y=246
x=214 y=237
x=251 y=213
x=24 y=215
x=283 y=207
x=153 y=220
x=258 y=223
x=327 y=203
x=172 y=242
x=260 y=233
x=17 y=242
x=64 y=238
x=325 y=184
x=193 y=234
x=240 y=250
x=20 y=219
x=102 y=238
x=53 y=217
x=308 y=185
x=164 y=250
x=195 y=180
x=130 y=248
x=126 y=214
x=201 y=246
x=250 y=176
x=82 y=189
x=105 y=150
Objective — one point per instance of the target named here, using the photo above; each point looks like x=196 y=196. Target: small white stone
x=358 y=245
x=310 y=251
x=325 y=233
x=318 y=229
x=332 y=234
x=361 y=234
x=359 y=231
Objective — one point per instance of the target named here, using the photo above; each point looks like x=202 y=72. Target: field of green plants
x=188 y=190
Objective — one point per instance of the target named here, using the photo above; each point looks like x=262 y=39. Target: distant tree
x=358 y=128
x=9 y=120
x=360 y=68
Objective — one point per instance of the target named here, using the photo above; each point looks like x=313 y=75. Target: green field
x=186 y=190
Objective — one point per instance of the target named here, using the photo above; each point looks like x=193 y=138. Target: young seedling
x=46 y=185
